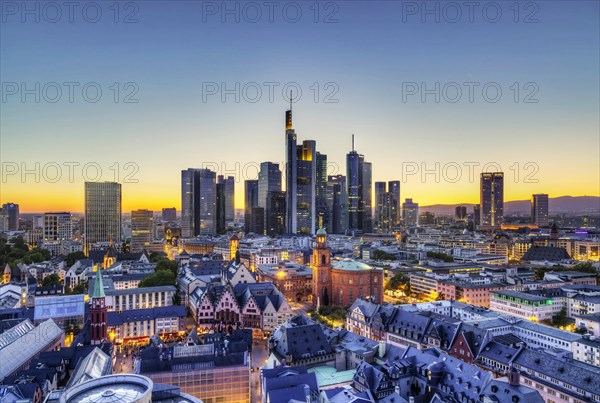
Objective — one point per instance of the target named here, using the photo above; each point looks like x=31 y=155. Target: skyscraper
x=276 y=213
x=410 y=213
x=229 y=190
x=102 y=213
x=539 y=210
x=321 y=208
x=492 y=199
x=476 y=215
x=198 y=202
x=269 y=181
x=301 y=171
x=141 y=229
x=358 y=176
x=383 y=208
x=394 y=190
x=337 y=204
x=250 y=202
x=11 y=211
x=220 y=188
x=57 y=227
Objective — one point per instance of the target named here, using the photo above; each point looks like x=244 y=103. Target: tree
x=399 y=280
x=560 y=319
x=160 y=277
x=71 y=258
x=80 y=288
x=51 y=280
x=166 y=264
x=382 y=255
x=440 y=255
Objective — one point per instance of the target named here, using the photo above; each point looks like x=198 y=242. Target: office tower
x=250 y=202
x=394 y=190
x=269 y=181
x=102 y=213
x=220 y=187
x=11 y=211
x=198 y=202
x=169 y=214
x=257 y=220
x=141 y=229
x=367 y=197
x=539 y=210
x=337 y=204
x=383 y=210
x=358 y=176
x=460 y=213
x=276 y=213
x=57 y=227
x=476 y=215
x=321 y=209
x=410 y=213
x=301 y=171
x=492 y=199
x=229 y=191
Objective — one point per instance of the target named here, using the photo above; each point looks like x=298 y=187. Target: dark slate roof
x=499 y=352
x=115 y=318
x=302 y=341
x=282 y=389
x=580 y=375
x=504 y=392
x=549 y=253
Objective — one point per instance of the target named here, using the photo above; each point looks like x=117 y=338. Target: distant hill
x=562 y=204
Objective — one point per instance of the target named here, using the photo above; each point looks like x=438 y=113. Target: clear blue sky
x=372 y=49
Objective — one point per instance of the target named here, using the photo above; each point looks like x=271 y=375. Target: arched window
x=323 y=260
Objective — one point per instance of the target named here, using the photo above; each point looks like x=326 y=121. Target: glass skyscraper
x=102 y=213
x=492 y=199
x=198 y=202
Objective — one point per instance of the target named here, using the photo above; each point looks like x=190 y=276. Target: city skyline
x=175 y=114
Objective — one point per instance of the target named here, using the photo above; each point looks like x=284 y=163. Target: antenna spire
x=352 y=142
x=290 y=100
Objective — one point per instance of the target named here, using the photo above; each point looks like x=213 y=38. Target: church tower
x=98 y=331
x=321 y=266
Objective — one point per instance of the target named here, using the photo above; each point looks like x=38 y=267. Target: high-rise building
x=58 y=227
x=539 y=210
x=275 y=213
x=410 y=213
x=337 y=204
x=269 y=181
x=460 y=213
x=492 y=199
x=367 y=196
x=221 y=198
x=11 y=212
x=229 y=190
x=301 y=171
x=383 y=207
x=102 y=213
x=198 y=202
x=358 y=176
x=250 y=202
x=321 y=208
x=141 y=230
x=169 y=214
x=476 y=215
x=394 y=190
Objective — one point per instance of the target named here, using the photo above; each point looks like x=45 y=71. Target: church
x=342 y=282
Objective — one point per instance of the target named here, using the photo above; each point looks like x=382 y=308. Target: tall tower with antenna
x=291 y=172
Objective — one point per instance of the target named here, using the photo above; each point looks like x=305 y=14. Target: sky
x=434 y=92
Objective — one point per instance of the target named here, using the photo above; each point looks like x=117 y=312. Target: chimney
x=307 y=393
x=381 y=351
